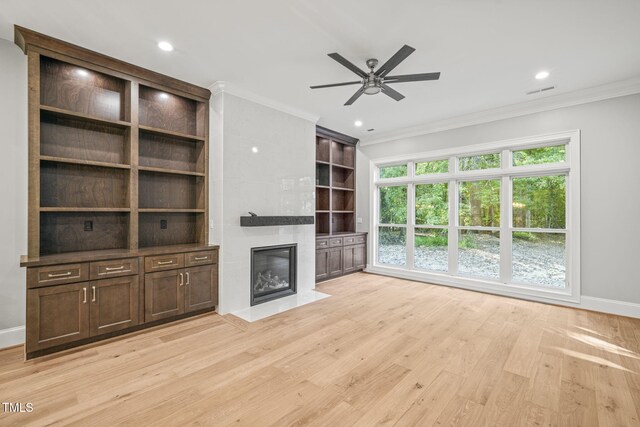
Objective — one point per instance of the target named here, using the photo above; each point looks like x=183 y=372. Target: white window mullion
x=505 y=219
x=453 y=226
x=411 y=221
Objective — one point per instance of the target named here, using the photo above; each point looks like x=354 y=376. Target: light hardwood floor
x=379 y=351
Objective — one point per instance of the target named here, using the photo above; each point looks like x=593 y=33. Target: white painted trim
x=583 y=96
x=226 y=87
x=12 y=336
x=512 y=290
x=611 y=306
x=571 y=167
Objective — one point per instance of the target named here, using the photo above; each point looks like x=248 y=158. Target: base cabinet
x=65 y=313
x=70 y=304
x=114 y=304
x=163 y=295
x=354 y=258
x=174 y=292
x=57 y=315
x=340 y=255
x=201 y=288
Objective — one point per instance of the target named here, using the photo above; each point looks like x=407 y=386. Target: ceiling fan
x=375 y=82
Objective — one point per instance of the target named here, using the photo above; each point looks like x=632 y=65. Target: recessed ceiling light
x=358 y=123
x=166 y=46
x=542 y=75
x=254 y=149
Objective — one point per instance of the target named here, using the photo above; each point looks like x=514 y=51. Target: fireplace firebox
x=273 y=272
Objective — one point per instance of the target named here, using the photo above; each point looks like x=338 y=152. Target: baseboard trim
x=602 y=305
x=11 y=337
x=611 y=306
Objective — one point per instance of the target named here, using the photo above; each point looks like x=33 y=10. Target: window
x=502 y=216
x=431 y=232
x=482 y=161
x=434 y=166
x=392 y=234
x=393 y=171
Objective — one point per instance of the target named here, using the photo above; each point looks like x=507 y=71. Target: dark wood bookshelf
x=118 y=198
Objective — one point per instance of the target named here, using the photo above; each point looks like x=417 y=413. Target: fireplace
x=273 y=272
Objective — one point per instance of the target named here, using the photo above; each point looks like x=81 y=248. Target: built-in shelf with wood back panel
x=335 y=183
x=340 y=249
x=118 y=199
x=118 y=162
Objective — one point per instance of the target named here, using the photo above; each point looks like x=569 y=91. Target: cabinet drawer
x=163 y=262
x=351 y=240
x=361 y=239
x=113 y=268
x=337 y=241
x=322 y=243
x=57 y=275
x=201 y=258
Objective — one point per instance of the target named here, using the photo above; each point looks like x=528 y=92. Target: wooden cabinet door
x=322 y=264
x=114 y=304
x=348 y=259
x=360 y=256
x=201 y=287
x=335 y=262
x=163 y=294
x=57 y=315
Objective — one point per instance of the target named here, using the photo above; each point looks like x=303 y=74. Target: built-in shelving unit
x=335 y=183
x=340 y=249
x=117 y=162
x=118 y=204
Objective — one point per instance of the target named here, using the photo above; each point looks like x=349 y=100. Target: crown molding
x=583 y=96
x=226 y=87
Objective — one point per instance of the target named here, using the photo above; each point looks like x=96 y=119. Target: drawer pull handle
x=84 y=292
x=68 y=273
x=165 y=262
x=201 y=258
x=114 y=268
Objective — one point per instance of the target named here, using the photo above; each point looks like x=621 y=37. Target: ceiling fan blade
x=337 y=84
x=355 y=96
x=342 y=60
x=411 y=78
x=396 y=59
x=392 y=93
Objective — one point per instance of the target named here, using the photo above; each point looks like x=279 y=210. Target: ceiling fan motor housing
x=372 y=84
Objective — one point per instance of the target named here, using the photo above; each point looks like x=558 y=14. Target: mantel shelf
x=267 y=221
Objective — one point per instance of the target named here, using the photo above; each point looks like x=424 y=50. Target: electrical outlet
x=359 y=220
x=211 y=224
x=88 y=226
x=163 y=224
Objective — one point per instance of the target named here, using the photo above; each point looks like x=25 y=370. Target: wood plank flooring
x=380 y=351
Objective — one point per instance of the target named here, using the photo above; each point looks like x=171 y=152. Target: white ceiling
x=487 y=50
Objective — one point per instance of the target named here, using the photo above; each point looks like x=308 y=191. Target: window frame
x=507 y=171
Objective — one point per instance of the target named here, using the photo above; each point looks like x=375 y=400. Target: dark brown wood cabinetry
x=340 y=255
x=337 y=252
x=118 y=196
x=170 y=293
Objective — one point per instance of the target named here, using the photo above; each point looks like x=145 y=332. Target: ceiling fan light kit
x=375 y=82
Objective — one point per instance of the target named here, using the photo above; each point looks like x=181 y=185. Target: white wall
x=13 y=191
x=276 y=180
x=610 y=181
